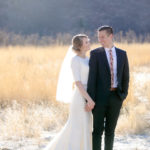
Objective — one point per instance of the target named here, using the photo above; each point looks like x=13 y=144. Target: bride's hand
x=89 y=108
x=91 y=104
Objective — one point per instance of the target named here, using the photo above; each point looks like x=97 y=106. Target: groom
x=108 y=86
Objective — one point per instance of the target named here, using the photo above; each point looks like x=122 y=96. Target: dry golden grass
x=29 y=73
x=28 y=77
x=139 y=54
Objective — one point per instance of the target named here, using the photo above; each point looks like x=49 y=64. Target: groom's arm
x=123 y=92
x=91 y=88
x=125 y=81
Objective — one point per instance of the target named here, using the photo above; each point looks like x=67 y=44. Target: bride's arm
x=75 y=66
x=84 y=93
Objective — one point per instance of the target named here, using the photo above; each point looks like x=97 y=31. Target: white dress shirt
x=114 y=63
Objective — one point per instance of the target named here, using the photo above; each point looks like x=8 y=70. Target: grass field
x=28 y=79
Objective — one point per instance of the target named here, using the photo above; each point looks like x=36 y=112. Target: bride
x=72 y=84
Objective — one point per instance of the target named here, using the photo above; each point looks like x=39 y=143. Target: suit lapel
x=118 y=60
x=105 y=61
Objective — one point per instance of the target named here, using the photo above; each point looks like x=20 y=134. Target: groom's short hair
x=107 y=28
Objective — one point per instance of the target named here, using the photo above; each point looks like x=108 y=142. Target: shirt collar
x=107 y=49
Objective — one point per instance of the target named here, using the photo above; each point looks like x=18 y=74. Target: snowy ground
x=128 y=142
x=132 y=142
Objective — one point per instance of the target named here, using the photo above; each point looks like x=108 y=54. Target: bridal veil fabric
x=65 y=80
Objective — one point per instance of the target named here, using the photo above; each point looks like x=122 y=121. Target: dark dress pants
x=105 y=119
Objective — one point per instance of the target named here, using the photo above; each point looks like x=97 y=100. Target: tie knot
x=110 y=51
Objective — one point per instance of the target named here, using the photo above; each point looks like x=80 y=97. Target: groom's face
x=104 y=38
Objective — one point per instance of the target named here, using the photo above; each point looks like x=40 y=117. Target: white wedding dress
x=77 y=132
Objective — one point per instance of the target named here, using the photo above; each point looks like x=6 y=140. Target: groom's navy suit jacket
x=99 y=81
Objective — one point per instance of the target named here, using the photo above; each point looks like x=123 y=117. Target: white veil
x=65 y=80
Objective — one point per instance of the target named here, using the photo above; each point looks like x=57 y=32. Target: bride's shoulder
x=75 y=62
x=75 y=58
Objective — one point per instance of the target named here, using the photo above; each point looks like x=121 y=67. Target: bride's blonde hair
x=77 y=41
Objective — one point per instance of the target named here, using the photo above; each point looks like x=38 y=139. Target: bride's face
x=86 y=44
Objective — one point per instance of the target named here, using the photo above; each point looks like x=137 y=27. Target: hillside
x=48 y=17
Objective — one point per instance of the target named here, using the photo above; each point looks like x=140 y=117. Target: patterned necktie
x=111 y=68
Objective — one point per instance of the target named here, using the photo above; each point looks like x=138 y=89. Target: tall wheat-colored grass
x=29 y=73
x=28 y=79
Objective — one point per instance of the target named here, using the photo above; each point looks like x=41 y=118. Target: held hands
x=89 y=105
